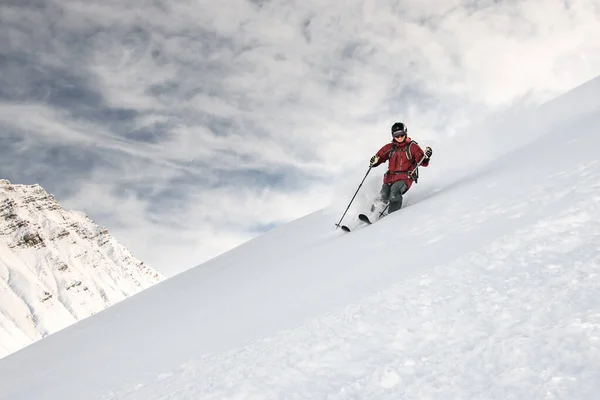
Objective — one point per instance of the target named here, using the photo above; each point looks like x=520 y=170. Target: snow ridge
x=56 y=267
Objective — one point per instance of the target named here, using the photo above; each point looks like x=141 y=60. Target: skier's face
x=400 y=139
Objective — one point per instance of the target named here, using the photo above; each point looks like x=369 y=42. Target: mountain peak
x=57 y=267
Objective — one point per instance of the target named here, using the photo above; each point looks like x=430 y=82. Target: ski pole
x=383 y=211
x=359 y=186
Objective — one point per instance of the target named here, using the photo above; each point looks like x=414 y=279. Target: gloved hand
x=428 y=152
x=374 y=160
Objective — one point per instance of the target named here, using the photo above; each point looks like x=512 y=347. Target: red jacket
x=399 y=163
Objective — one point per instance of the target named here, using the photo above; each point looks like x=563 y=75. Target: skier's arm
x=382 y=156
x=423 y=155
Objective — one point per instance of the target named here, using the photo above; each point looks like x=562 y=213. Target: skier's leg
x=381 y=200
x=384 y=193
x=396 y=191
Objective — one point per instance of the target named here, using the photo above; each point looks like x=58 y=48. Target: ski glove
x=428 y=152
x=374 y=160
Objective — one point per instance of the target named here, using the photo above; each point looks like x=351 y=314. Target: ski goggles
x=398 y=134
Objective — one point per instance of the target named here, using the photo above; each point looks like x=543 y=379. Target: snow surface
x=485 y=286
x=56 y=267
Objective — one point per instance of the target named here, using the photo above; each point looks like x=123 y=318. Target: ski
x=364 y=218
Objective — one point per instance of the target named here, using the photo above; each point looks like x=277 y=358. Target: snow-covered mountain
x=56 y=267
x=484 y=286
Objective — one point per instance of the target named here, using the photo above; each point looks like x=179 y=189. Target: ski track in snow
x=518 y=319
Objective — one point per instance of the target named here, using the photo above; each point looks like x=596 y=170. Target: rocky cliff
x=56 y=267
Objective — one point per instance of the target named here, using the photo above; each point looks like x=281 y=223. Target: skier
x=405 y=156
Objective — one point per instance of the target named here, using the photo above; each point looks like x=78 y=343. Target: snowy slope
x=56 y=267
x=485 y=286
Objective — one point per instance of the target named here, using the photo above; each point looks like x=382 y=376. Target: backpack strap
x=415 y=176
x=408 y=154
x=391 y=151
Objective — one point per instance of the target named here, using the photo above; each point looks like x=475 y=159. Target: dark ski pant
x=392 y=193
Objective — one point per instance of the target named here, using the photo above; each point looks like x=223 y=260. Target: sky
x=189 y=127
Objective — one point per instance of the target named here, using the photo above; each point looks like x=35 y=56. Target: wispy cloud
x=188 y=127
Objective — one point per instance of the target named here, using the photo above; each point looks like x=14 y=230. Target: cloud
x=189 y=127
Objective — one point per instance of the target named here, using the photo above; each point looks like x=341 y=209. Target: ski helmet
x=399 y=129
